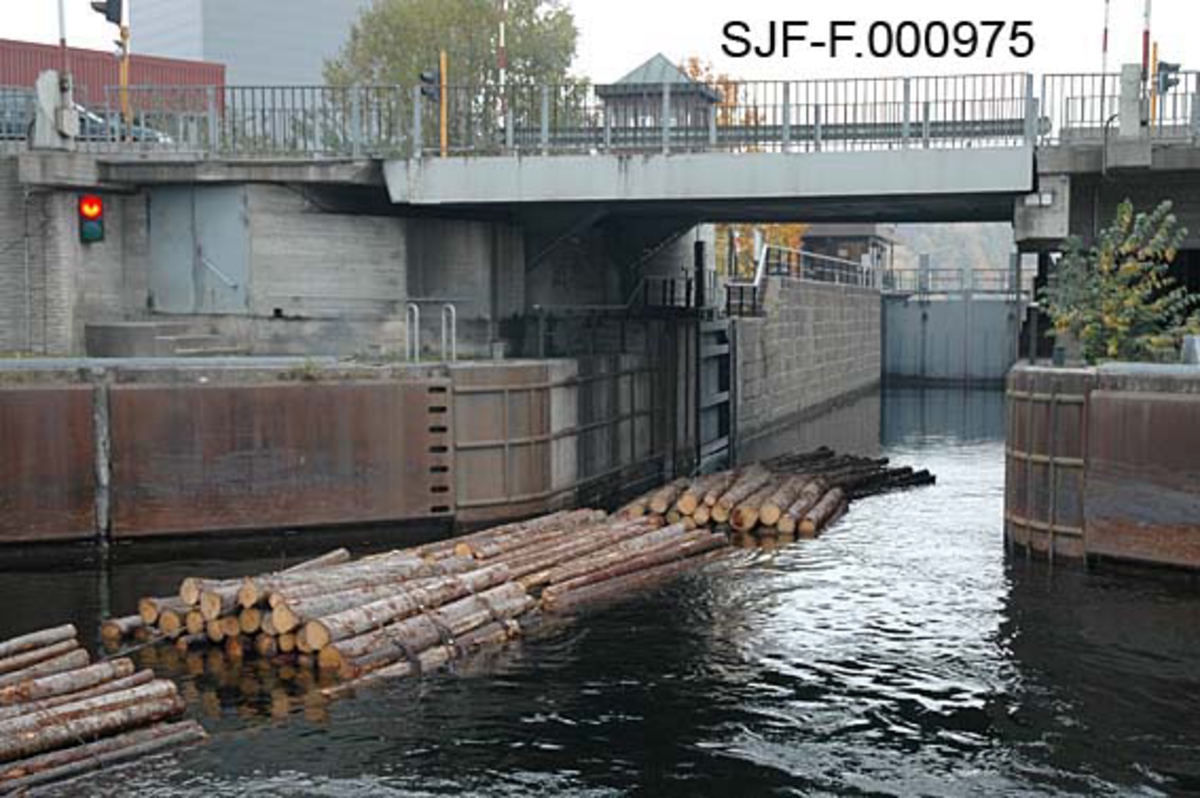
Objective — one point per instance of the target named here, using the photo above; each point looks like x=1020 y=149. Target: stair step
x=212 y=351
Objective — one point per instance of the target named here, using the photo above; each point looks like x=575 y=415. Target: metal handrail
x=412 y=332
x=449 y=333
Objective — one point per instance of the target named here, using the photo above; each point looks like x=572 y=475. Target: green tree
x=1117 y=297
x=394 y=40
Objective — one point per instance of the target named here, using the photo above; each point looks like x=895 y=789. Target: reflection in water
x=900 y=653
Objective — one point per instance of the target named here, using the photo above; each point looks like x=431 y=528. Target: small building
x=636 y=100
x=853 y=242
x=95 y=70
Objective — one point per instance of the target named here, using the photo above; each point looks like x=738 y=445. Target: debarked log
x=71 y=762
x=70 y=682
x=38 y=639
x=73 y=660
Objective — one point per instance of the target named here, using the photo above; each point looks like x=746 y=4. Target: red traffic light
x=91 y=207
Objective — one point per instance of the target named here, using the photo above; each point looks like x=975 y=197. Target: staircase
x=156 y=339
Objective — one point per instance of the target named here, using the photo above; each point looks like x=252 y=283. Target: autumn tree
x=733 y=108
x=1117 y=298
x=395 y=40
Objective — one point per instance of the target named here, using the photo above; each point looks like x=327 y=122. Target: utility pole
x=64 y=70
x=1145 y=59
x=1104 y=67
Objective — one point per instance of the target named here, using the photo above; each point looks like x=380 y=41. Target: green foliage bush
x=1117 y=298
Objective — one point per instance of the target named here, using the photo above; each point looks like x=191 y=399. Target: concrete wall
x=817 y=343
x=50 y=283
x=955 y=339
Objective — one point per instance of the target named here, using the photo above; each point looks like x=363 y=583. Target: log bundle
x=61 y=715
x=795 y=495
x=409 y=611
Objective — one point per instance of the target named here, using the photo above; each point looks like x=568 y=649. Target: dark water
x=902 y=653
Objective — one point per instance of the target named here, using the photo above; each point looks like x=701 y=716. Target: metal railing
x=734 y=116
x=745 y=297
x=959 y=111
x=951 y=282
x=1078 y=107
x=16 y=117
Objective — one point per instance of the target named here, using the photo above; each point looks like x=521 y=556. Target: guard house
x=636 y=100
x=856 y=242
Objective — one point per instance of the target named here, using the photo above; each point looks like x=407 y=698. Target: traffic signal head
x=91 y=218
x=111 y=9
x=1168 y=76
x=431 y=85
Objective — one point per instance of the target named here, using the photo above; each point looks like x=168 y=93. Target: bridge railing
x=16 y=117
x=570 y=118
x=1078 y=107
x=952 y=282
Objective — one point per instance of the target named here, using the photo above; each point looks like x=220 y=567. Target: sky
x=616 y=35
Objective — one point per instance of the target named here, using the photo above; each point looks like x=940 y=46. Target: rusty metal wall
x=538 y=435
x=1044 y=460
x=1143 y=477
x=47 y=464
x=189 y=458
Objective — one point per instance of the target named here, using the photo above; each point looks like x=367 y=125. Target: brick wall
x=816 y=343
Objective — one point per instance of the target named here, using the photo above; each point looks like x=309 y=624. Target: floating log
x=104 y=688
x=171 y=622
x=622 y=586
x=115 y=629
x=219 y=601
x=39 y=639
x=810 y=494
x=532 y=534
x=783 y=498
x=151 y=608
x=43 y=769
x=702 y=515
x=695 y=544
x=72 y=660
x=662 y=499
x=194 y=622
x=19 y=662
x=250 y=620
x=46 y=687
x=693 y=496
x=33 y=724
x=215 y=631
x=752 y=481
x=745 y=516
x=620 y=551
x=89 y=727
x=720 y=484
x=820 y=514
x=354 y=622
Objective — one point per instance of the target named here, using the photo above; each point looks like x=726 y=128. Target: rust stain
x=1143 y=477
x=47 y=464
x=207 y=458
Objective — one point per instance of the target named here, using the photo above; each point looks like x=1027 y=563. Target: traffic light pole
x=126 y=114
x=442 y=110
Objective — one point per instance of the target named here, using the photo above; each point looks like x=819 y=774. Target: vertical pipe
x=1103 y=66
x=817 y=127
x=1153 y=85
x=906 y=124
x=545 y=119
x=787 y=115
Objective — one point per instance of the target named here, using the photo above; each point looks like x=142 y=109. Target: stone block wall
x=816 y=343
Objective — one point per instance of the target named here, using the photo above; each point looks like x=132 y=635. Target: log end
x=769 y=515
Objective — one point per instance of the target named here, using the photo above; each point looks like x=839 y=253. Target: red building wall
x=22 y=62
